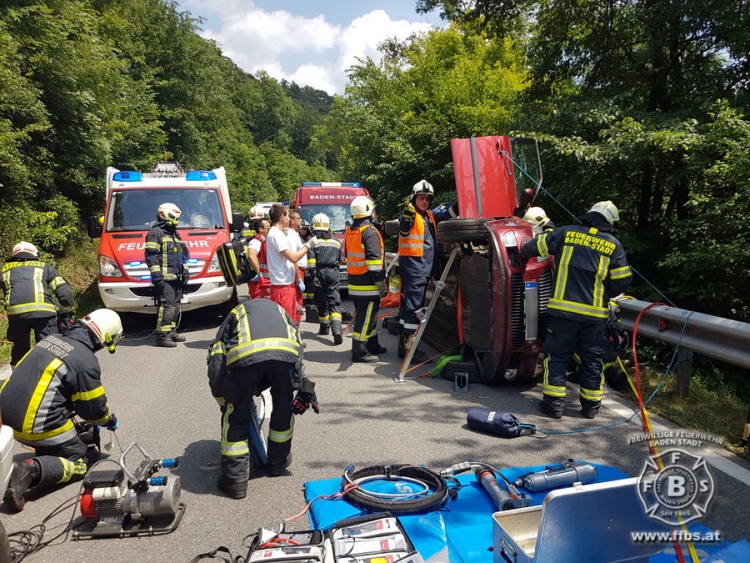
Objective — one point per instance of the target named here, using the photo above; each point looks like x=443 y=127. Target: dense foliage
x=85 y=84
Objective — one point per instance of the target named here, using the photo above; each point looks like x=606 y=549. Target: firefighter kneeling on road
x=364 y=265
x=256 y=347
x=591 y=267
x=28 y=284
x=417 y=250
x=166 y=257
x=60 y=374
x=324 y=263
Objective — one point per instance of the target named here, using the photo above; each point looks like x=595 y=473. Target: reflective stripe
x=57 y=436
x=413 y=244
x=620 y=273
x=57 y=282
x=579 y=308
x=88 y=395
x=601 y=275
x=36 y=411
x=547 y=389
x=234 y=448
x=30 y=308
x=281 y=436
x=262 y=345
x=71 y=468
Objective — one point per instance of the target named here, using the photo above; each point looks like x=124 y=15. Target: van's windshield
x=135 y=210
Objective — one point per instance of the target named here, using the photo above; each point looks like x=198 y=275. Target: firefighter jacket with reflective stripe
x=257 y=330
x=28 y=287
x=591 y=266
x=166 y=255
x=58 y=374
x=364 y=259
x=326 y=253
x=417 y=242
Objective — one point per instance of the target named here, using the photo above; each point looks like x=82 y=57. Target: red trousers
x=286 y=297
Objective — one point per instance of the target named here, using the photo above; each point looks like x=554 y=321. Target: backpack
x=234 y=263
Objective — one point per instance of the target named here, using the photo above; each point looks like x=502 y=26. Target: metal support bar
x=414 y=339
x=713 y=337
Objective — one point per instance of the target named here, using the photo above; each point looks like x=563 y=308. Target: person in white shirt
x=282 y=257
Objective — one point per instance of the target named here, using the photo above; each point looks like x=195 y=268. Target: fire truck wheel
x=463 y=230
x=391 y=228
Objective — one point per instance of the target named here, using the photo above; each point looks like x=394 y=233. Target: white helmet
x=169 y=213
x=423 y=187
x=607 y=210
x=537 y=216
x=106 y=327
x=255 y=213
x=362 y=206
x=321 y=222
x=24 y=247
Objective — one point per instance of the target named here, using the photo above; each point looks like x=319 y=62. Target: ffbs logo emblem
x=675 y=487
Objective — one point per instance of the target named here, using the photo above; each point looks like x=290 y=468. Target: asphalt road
x=163 y=402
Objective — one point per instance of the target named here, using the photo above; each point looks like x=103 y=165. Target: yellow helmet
x=321 y=222
x=361 y=206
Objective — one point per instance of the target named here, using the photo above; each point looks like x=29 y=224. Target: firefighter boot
x=374 y=347
x=338 y=338
x=418 y=357
x=235 y=489
x=360 y=353
x=25 y=474
x=323 y=330
x=177 y=337
x=278 y=469
x=164 y=341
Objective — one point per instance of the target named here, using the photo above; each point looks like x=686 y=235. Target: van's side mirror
x=238 y=222
x=93 y=228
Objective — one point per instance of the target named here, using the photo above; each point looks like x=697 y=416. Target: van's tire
x=451 y=368
x=463 y=230
x=390 y=228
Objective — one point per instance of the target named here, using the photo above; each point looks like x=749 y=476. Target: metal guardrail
x=713 y=337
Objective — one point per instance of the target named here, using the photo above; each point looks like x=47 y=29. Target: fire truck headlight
x=108 y=267
x=214 y=265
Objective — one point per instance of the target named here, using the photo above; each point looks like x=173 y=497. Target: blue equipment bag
x=502 y=424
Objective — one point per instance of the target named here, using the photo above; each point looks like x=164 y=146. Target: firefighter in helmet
x=64 y=371
x=256 y=347
x=166 y=257
x=364 y=265
x=28 y=284
x=325 y=262
x=417 y=249
x=538 y=217
x=591 y=268
x=253 y=215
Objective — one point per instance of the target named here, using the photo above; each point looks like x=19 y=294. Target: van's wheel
x=453 y=367
x=391 y=228
x=463 y=230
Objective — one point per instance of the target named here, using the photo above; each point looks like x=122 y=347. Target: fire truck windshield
x=135 y=210
x=338 y=214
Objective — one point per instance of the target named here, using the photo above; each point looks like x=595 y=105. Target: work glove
x=112 y=424
x=305 y=398
x=158 y=289
x=311 y=243
x=382 y=288
x=301 y=285
x=65 y=320
x=408 y=212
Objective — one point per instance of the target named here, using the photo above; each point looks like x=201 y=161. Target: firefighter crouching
x=28 y=284
x=256 y=347
x=364 y=265
x=324 y=264
x=591 y=266
x=60 y=374
x=417 y=250
x=166 y=257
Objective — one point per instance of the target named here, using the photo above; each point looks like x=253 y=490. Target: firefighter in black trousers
x=417 y=250
x=364 y=266
x=591 y=266
x=28 y=284
x=325 y=261
x=166 y=258
x=308 y=295
x=61 y=374
x=256 y=347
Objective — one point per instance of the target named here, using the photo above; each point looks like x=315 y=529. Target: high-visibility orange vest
x=413 y=244
x=360 y=281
